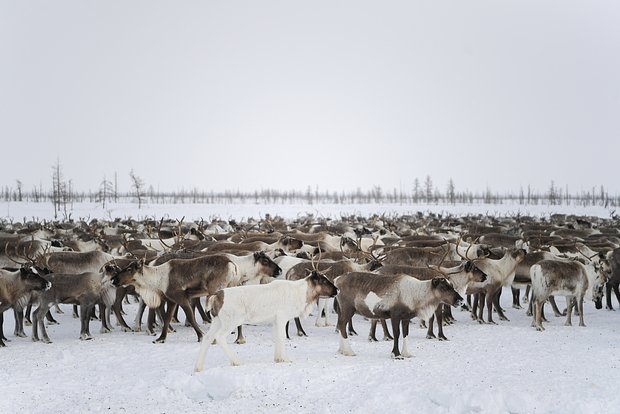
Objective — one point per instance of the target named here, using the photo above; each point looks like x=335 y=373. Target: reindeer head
x=31 y=278
x=265 y=265
x=444 y=290
x=126 y=276
x=291 y=244
x=321 y=285
x=474 y=273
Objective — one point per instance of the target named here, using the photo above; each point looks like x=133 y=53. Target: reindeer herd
x=274 y=270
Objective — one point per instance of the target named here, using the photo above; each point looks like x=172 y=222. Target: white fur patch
x=371 y=301
x=150 y=297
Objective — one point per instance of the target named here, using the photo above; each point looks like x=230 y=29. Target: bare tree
x=138 y=187
x=19 y=190
x=428 y=189
x=450 y=192
x=57 y=184
x=105 y=191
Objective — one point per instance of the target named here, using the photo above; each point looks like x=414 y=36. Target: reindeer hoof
x=517 y=307
x=346 y=353
x=492 y=322
x=28 y=323
x=20 y=335
x=46 y=341
x=104 y=330
x=301 y=333
x=235 y=363
x=49 y=323
x=540 y=328
x=85 y=337
x=568 y=324
x=388 y=338
x=399 y=357
x=159 y=341
x=240 y=341
x=320 y=324
x=429 y=336
x=503 y=318
x=372 y=339
x=443 y=338
x=282 y=359
x=2 y=344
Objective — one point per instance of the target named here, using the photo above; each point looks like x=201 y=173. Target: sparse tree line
x=62 y=195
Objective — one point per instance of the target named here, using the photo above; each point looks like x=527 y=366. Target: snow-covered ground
x=28 y=211
x=483 y=368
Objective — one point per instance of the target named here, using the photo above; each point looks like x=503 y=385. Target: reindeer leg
x=405 y=325
x=118 y=311
x=396 y=332
x=189 y=314
x=527 y=293
x=500 y=311
x=320 y=318
x=27 y=320
x=300 y=329
x=608 y=288
x=2 y=344
x=344 y=316
x=579 y=300
x=151 y=320
x=105 y=325
x=351 y=330
x=489 y=304
x=616 y=292
x=439 y=315
x=429 y=332
x=554 y=306
x=19 y=323
x=39 y=316
x=201 y=310
x=539 y=305
x=516 y=293
x=569 y=311
x=240 y=338
x=167 y=319
x=386 y=331
x=50 y=318
x=85 y=312
x=373 y=330
x=278 y=338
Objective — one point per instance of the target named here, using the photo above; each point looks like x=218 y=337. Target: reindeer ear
x=436 y=281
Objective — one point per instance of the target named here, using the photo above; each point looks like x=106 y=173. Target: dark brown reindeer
x=85 y=289
x=399 y=298
x=461 y=276
x=15 y=289
x=178 y=281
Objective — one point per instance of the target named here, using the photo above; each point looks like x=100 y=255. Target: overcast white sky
x=285 y=94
